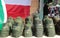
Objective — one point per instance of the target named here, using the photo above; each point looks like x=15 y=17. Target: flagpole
x=41 y=9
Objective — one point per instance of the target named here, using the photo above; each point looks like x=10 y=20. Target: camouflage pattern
x=28 y=30
x=10 y=21
x=6 y=27
x=5 y=30
x=18 y=27
x=49 y=26
x=39 y=26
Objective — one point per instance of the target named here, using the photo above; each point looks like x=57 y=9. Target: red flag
x=17 y=8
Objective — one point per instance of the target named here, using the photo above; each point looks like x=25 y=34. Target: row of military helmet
x=31 y=28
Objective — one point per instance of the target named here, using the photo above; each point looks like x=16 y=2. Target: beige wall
x=34 y=6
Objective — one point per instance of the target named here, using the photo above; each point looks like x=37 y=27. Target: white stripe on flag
x=5 y=13
x=18 y=2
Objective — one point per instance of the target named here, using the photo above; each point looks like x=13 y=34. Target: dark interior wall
x=49 y=1
x=46 y=11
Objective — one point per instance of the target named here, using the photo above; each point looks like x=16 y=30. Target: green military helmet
x=49 y=26
x=19 y=22
x=18 y=27
x=35 y=16
x=5 y=30
x=28 y=30
x=39 y=27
